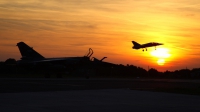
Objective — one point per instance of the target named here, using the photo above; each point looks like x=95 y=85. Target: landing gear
x=143 y=49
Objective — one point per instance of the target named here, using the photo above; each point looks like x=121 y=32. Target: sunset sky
x=62 y=28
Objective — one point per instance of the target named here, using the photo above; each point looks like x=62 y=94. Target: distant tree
x=1 y=63
x=131 y=70
x=195 y=73
x=184 y=73
x=168 y=74
x=10 y=66
x=1 y=66
x=10 y=61
x=153 y=72
x=141 y=72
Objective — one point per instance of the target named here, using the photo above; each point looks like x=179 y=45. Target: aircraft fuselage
x=144 y=46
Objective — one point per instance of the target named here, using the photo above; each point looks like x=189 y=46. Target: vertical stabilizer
x=28 y=53
x=136 y=45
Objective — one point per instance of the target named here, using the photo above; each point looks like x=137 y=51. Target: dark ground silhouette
x=96 y=69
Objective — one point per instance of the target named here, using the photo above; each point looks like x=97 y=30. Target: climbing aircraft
x=144 y=46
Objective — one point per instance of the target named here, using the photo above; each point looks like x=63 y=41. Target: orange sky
x=61 y=28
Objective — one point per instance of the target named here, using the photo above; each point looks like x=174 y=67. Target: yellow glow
x=161 y=53
x=161 y=62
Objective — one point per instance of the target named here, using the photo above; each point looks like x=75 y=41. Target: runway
x=10 y=85
x=75 y=95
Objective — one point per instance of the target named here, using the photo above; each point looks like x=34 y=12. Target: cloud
x=59 y=5
x=50 y=25
x=7 y=44
x=28 y=5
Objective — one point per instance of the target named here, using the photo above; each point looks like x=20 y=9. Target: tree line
x=9 y=68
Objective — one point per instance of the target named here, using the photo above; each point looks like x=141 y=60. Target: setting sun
x=161 y=61
x=161 y=54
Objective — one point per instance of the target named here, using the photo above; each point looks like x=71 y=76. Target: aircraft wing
x=151 y=44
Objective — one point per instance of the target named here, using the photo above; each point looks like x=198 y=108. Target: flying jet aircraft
x=144 y=46
x=32 y=59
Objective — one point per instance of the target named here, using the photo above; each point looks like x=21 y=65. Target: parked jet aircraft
x=144 y=46
x=32 y=59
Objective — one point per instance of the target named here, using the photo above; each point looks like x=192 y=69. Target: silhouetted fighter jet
x=30 y=55
x=144 y=46
x=30 y=58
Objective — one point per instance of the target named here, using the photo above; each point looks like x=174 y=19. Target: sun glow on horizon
x=161 y=54
x=161 y=61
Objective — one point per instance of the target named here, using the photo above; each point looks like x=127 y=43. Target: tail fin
x=136 y=45
x=28 y=53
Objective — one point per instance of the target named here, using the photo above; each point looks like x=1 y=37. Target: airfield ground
x=10 y=85
x=49 y=95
